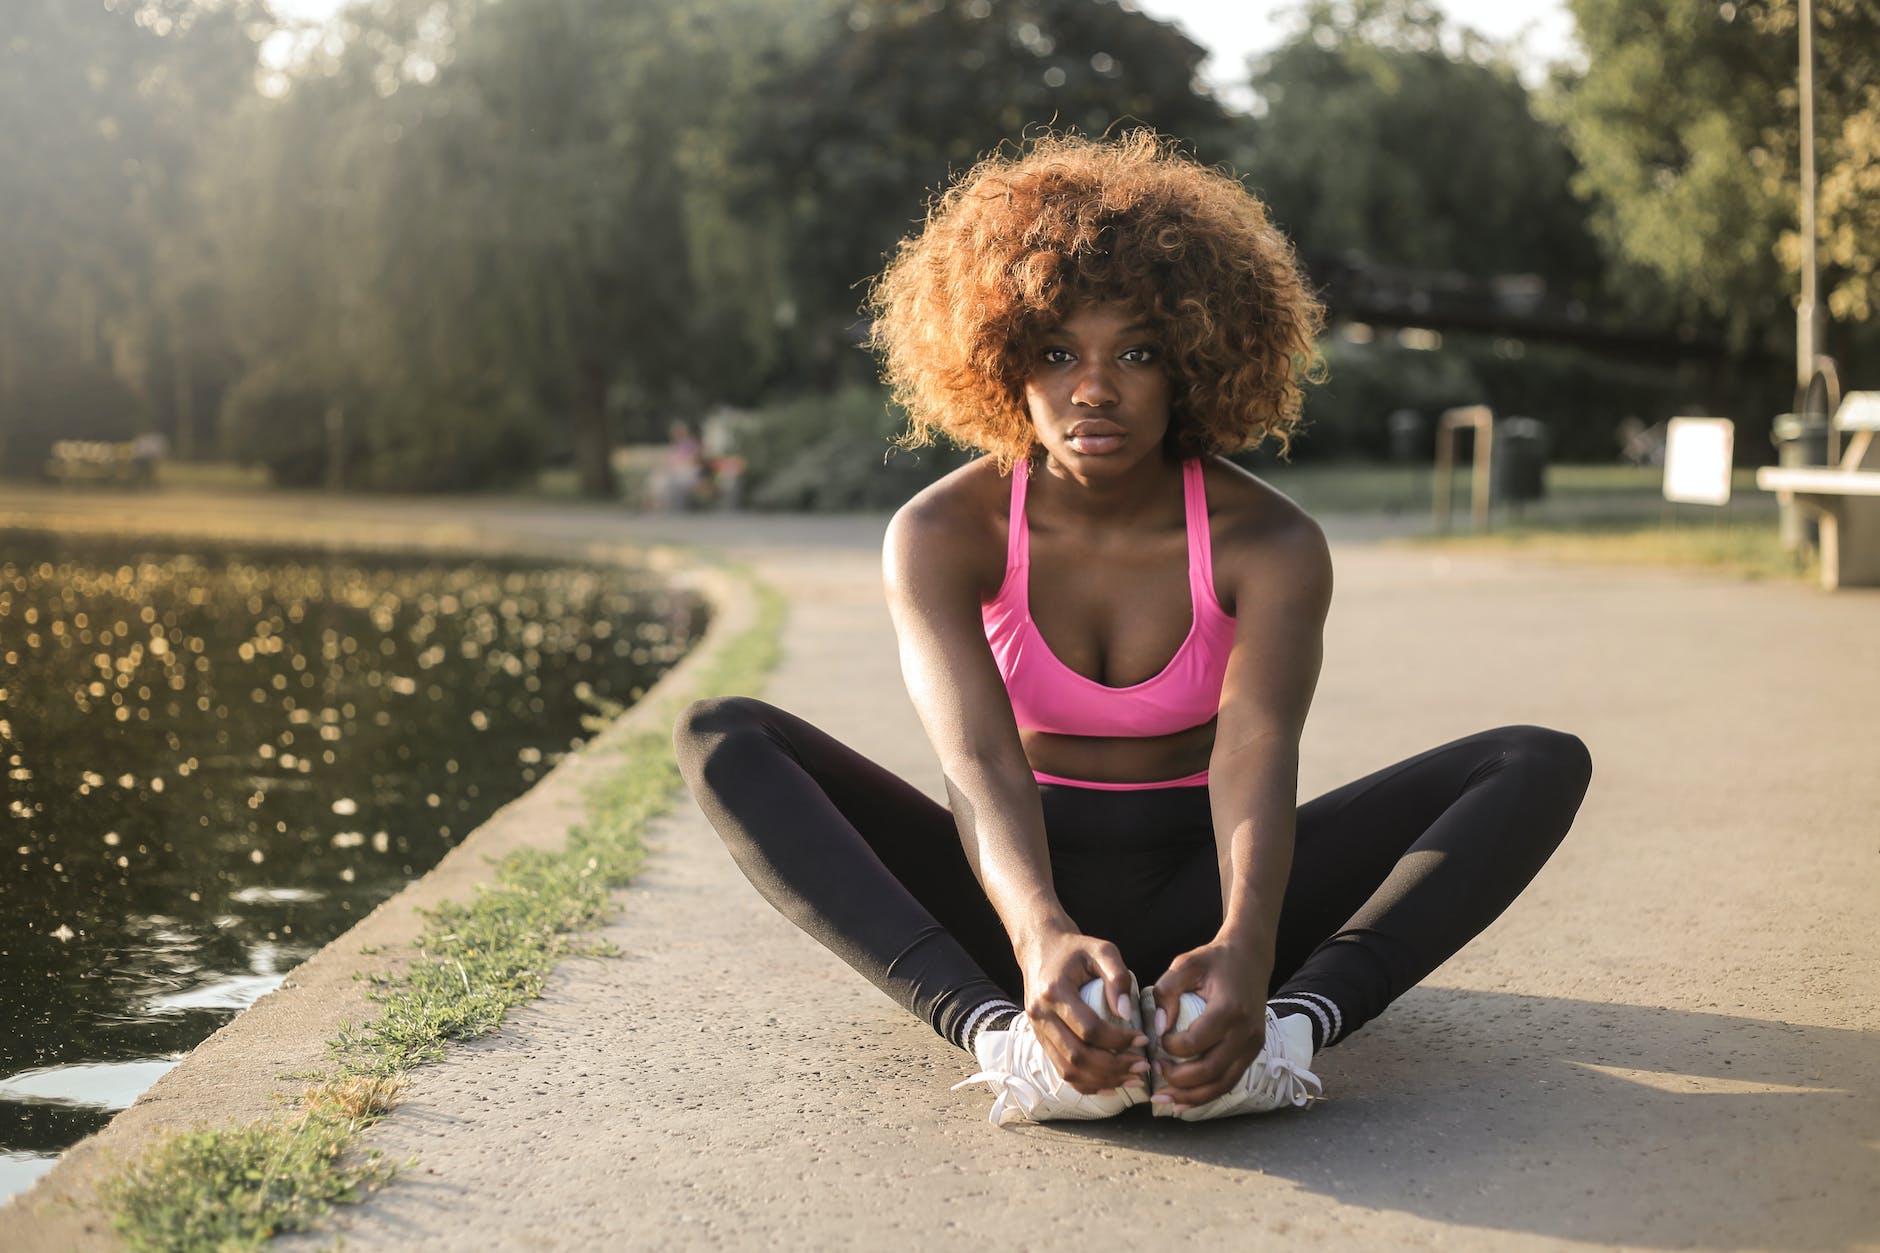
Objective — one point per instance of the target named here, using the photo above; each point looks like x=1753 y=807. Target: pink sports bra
x=1048 y=695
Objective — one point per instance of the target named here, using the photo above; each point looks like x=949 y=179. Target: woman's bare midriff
x=1137 y=759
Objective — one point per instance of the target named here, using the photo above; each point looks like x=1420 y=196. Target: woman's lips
x=1096 y=438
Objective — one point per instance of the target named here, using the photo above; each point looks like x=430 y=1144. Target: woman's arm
x=934 y=581
x=1282 y=591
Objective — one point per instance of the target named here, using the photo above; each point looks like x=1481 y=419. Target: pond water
x=218 y=760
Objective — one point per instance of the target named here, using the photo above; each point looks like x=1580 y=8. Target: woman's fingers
x=1216 y=1069
x=1208 y=1072
x=1087 y=1067
x=1104 y=961
x=1203 y=1034
x=1218 y=1046
x=1163 y=1016
x=1093 y=1053
x=1093 y=1028
x=1183 y=975
x=1108 y=961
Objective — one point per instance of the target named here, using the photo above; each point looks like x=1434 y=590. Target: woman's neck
x=1145 y=492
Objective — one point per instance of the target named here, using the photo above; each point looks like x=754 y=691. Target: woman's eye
x=1057 y=356
x=1139 y=354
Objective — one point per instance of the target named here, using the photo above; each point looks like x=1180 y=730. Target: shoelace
x=1024 y=1090
x=1286 y=1080
x=1009 y=1087
x=1034 y=1079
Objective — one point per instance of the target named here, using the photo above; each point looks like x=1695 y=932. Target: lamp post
x=1810 y=317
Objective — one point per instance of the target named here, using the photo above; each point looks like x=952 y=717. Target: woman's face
x=1097 y=393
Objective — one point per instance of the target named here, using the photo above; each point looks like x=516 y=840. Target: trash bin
x=1518 y=468
x=1801 y=439
x=1407 y=445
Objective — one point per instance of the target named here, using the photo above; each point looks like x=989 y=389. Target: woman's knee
x=706 y=726
x=1556 y=757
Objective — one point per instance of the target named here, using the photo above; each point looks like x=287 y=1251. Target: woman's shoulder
x=957 y=522
x=1242 y=506
x=1257 y=530
x=967 y=504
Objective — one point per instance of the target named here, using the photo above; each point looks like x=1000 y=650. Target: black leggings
x=1391 y=874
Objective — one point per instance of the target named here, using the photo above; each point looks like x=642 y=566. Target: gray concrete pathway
x=1671 y=1041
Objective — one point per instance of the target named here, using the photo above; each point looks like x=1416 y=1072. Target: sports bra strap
x=1017 y=534
x=1200 y=543
x=1195 y=501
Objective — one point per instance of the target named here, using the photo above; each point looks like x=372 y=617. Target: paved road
x=1671 y=1041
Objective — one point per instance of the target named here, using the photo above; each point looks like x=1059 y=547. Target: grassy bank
x=235 y=1187
x=1592 y=513
x=1751 y=550
x=1573 y=491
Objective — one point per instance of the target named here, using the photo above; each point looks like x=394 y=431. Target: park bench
x=1844 y=496
x=90 y=461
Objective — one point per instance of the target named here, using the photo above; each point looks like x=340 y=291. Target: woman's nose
x=1094 y=387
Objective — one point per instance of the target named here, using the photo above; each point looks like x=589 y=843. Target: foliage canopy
x=1686 y=123
x=454 y=240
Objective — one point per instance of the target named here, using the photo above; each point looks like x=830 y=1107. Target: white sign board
x=1697 y=460
x=1859 y=411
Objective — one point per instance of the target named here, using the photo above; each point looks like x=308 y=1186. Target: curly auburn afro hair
x=1010 y=249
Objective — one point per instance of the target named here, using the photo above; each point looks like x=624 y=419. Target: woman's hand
x=1094 y=1055
x=1223 y=1042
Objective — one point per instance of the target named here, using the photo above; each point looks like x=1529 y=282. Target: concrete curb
x=244 y=1071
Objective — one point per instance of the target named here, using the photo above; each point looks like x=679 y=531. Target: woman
x=1112 y=635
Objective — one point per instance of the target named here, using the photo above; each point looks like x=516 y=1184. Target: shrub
x=834 y=452
x=1580 y=395
x=1348 y=414
x=394 y=441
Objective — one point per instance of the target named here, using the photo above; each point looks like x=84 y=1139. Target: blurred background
x=445 y=245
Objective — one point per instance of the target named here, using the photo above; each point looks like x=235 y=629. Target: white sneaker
x=1013 y=1064
x=1277 y=1078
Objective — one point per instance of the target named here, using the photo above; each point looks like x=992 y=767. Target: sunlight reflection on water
x=217 y=761
x=104 y=1085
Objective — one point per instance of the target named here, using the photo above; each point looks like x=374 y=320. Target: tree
x=1380 y=129
x=898 y=94
x=291 y=203
x=104 y=317
x=596 y=157
x=476 y=215
x=1686 y=125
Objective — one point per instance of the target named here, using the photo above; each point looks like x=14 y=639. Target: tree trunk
x=184 y=392
x=593 y=446
x=7 y=379
x=335 y=447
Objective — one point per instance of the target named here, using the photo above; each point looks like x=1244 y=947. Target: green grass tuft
x=235 y=1187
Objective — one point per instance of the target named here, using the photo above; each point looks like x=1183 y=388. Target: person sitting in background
x=682 y=470
x=147 y=452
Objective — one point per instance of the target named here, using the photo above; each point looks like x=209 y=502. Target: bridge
x=1518 y=306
